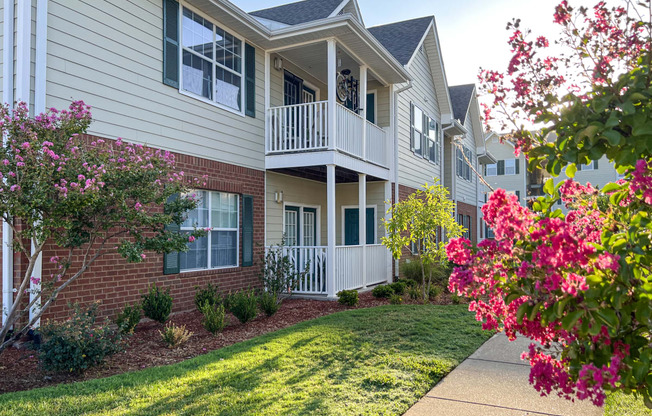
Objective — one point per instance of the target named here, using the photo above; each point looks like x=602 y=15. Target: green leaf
x=570 y=170
x=609 y=317
x=549 y=187
x=613 y=137
x=520 y=313
x=569 y=321
x=533 y=313
x=610 y=187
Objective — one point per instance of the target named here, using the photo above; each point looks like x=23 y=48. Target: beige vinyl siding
x=605 y=173
x=304 y=192
x=277 y=77
x=465 y=190
x=414 y=170
x=504 y=151
x=110 y=55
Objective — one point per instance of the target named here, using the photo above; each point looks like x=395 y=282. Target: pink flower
x=191 y=239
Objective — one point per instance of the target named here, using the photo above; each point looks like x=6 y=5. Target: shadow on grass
x=378 y=360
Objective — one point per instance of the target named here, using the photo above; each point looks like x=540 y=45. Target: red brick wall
x=466 y=209
x=115 y=282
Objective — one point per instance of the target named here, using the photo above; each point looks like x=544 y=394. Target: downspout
x=7 y=98
x=396 y=159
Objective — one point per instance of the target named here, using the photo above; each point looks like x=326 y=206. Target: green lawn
x=370 y=361
x=619 y=404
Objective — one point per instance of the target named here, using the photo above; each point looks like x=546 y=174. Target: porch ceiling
x=314 y=60
x=318 y=173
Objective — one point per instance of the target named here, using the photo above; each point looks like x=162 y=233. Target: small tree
x=88 y=198
x=281 y=271
x=417 y=220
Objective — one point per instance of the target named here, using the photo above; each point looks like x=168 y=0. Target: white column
x=331 y=224
x=7 y=98
x=268 y=100
x=388 y=197
x=332 y=93
x=363 y=104
x=362 y=223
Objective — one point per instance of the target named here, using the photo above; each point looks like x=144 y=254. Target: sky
x=471 y=32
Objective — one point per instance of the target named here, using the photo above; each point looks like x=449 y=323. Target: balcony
x=305 y=128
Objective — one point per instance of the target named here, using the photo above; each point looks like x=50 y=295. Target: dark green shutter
x=518 y=194
x=171 y=260
x=412 y=126
x=501 y=167
x=516 y=162
x=250 y=80
x=595 y=166
x=371 y=108
x=171 y=43
x=247 y=230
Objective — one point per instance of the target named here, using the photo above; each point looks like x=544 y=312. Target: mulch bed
x=19 y=369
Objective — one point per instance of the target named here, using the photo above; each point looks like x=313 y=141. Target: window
x=219 y=248
x=591 y=166
x=510 y=167
x=417 y=130
x=212 y=64
x=463 y=168
x=491 y=169
x=433 y=134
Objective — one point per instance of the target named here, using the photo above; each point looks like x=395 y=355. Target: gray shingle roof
x=460 y=98
x=402 y=38
x=299 y=12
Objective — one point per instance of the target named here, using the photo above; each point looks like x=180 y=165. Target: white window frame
x=435 y=141
x=590 y=167
x=510 y=164
x=420 y=130
x=493 y=166
x=182 y=5
x=343 y=228
x=209 y=207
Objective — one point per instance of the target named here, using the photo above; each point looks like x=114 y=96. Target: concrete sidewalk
x=494 y=381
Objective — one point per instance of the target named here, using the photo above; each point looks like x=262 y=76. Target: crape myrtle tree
x=88 y=198
x=416 y=221
x=580 y=283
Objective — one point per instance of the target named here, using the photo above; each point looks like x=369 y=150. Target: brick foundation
x=116 y=283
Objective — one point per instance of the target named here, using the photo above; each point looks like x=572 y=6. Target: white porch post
x=362 y=223
x=363 y=104
x=388 y=205
x=331 y=221
x=332 y=93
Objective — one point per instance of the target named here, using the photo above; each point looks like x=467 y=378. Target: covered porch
x=331 y=220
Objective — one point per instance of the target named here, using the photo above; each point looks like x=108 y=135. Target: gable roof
x=461 y=99
x=299 y=12
x=401 y=39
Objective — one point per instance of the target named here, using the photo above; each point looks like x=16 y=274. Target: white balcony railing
x=304 y=127
x=296 y=128
x=377 y=264
x=348 y=268
x=311 y=259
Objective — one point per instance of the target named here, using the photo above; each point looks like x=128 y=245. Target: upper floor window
x=503 y=167
x=462 y=167
x=591 y=166
x=220 y=212
x=417 y=130
x=212 y=64
x=491 y=169
x=425 y=135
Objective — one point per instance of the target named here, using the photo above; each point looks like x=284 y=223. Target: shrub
x=382 y=291
x=208 y=294
x=348 y=297
x=440 y=272
x=279 y=272
x=395 y=300
x=78 y=343
x=128 y=318
x=174 y=336
x=227 y=301
x=244 y=305
x=399 y=287
x=269 y=303
x=435 y=291
x=157 y=304
x=414 y=292
x=215 y=319
x=455 y=299
x=412 y=270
